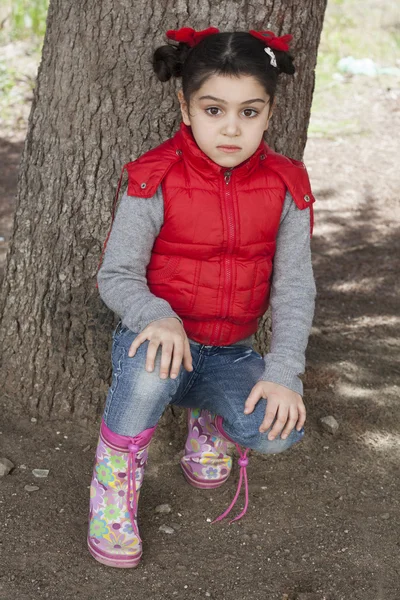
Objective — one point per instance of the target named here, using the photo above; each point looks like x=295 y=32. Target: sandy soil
x=323 y=520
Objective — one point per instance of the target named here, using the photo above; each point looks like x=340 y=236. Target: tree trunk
x=96 y=106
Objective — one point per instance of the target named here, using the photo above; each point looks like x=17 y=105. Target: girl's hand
x=281 y=402
x=172 y=336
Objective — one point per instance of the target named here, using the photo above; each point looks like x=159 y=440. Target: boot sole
x=120 y=562
x=203 y=484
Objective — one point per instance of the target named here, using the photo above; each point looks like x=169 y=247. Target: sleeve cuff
x=157 y=313
x=282 y=375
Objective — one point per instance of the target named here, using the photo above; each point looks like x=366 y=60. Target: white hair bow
x=271 y=55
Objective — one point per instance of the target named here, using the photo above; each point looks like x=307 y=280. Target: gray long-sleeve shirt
x=123 y=285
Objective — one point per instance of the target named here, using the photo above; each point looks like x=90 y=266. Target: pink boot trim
x=243 y=462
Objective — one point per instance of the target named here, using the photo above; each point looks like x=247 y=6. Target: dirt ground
x=323 y=521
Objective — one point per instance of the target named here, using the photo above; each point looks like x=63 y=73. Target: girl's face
x=228 y=116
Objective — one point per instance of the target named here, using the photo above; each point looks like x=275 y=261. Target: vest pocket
x=175 y=281
x=161 y=267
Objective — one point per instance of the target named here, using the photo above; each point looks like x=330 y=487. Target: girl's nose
x=231 y=127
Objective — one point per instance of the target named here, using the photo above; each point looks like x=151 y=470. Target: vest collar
x=186 y=145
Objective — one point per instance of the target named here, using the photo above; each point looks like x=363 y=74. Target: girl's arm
x=121 y=278
x=292 y=300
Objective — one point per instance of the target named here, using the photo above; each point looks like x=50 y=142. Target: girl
x=211 y=219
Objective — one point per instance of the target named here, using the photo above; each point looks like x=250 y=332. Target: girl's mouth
x=229 y=148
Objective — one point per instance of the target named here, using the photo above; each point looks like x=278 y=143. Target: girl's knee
x=266 y=446
x=136 y=398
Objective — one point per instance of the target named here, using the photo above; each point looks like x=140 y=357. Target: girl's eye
x=250 y=110
x=213 y=110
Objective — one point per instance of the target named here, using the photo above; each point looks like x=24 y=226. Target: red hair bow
x=271 y=40
x=190 y=36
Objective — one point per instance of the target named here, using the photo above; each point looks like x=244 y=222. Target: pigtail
x=168 y=60
x=284 y=61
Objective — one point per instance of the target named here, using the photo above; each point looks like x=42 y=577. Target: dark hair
x=228 y=53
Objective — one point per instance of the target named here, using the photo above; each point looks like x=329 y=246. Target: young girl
x=213 y=227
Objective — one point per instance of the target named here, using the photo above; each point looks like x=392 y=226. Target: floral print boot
x=206 y=463
x=113 y=537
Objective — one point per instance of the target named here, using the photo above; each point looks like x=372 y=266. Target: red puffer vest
x=213 y=258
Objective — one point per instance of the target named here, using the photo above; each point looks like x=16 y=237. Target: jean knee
x=266 y=446
x=136 y=398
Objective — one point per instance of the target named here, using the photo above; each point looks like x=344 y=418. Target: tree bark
x=96 y=106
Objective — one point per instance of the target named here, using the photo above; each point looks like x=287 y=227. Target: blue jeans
x=221 y=380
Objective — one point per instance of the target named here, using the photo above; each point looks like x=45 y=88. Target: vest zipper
x=231 y=244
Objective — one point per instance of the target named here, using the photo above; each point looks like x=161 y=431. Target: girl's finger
x=151 y=354
x=279 y=423
x=177 y=359
x=302 y=417
x=270 y=414
x=187 y=356
x=293 y=416
x=166 y=356
x=139 y=339
x=253 y=398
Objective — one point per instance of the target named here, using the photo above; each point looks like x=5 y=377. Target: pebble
x=163 y=509
x=33 y=420
x=40 y=472
x=329 y=424
x=5 y=466
x=2 y=239
x=86 y=448
x=166 y=529
x=176 y=526
x=31 y=488
x=385 y=516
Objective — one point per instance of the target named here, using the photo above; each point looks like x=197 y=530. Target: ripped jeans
x=221 y=380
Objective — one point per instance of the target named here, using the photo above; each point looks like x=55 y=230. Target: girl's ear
x=184 y=108
x=271 y=110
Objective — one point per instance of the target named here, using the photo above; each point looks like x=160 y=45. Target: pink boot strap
x=243 y=462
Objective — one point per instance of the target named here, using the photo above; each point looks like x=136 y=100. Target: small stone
x=166 y=529
x=23 y=467
x=176 y=526
x=31 y=488
x=33 y=420
x=385 y=516
x=5 y=466
x=329 y=424
x=163 y=509
x=40 y=472
x=86 y=448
